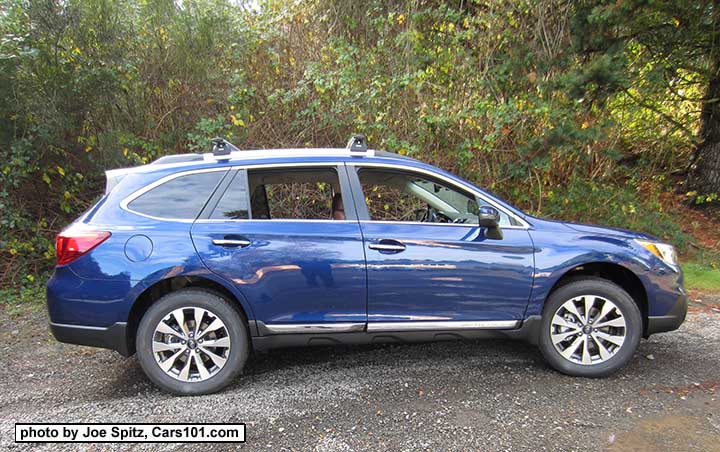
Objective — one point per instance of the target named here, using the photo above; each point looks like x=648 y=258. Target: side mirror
x=489 y=218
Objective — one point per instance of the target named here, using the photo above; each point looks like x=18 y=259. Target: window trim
x=460 y=186
x=124 y=204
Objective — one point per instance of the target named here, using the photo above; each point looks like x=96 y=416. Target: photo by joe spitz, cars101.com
x=194 y=261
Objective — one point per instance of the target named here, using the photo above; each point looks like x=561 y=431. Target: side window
x=403 y=196
x=306 y=194
x=234 y=204
x=180 y=198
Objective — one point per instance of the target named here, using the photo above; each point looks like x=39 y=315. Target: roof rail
x=177 y=158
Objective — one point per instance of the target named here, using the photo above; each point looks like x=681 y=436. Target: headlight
x=662 y=250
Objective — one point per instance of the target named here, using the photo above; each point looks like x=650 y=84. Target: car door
x=430 y=273
x=271 y=232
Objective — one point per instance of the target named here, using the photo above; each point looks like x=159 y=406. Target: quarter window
x=180 y=198
x=234 y=204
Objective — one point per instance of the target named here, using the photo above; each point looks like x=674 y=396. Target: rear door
x=281 y=235
x=430 y=266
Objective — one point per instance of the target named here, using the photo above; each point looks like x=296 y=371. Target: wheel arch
x=158 y=289
x=613 y=272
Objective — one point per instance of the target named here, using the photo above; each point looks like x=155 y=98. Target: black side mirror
x=489 y=218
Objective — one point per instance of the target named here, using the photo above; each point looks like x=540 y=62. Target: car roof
x=184 y=162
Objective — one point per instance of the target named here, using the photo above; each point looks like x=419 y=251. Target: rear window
x=180 y=198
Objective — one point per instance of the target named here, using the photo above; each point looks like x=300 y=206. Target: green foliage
x=27 y=295
x=547 y=103
x=701 y=277
x=626 y=206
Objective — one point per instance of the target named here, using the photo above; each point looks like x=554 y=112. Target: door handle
x=232 y=242
x=392 y=246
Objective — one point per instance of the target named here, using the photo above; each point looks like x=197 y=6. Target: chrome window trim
x=443 y=326
x=523 y=224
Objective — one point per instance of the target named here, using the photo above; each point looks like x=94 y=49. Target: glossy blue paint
x=447 y=272
x=292 y=271
x=324 y=271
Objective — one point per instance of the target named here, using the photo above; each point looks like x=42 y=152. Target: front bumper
x=672 y=320
x=112 y=337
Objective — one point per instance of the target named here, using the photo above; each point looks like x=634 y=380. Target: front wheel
x=590 y=328
x=192 y=342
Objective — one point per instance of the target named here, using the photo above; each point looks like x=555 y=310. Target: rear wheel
x=590 y=328
x=192 y=342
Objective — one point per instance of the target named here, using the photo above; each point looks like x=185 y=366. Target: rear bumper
x=672 y=320
x=112 y=337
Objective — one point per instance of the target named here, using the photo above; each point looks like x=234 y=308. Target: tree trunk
x=704 y=176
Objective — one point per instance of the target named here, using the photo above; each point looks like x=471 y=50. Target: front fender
x=556 y=254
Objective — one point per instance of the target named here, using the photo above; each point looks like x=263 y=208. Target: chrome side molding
x=375 y=327
x=443 y=326
x=309 y=328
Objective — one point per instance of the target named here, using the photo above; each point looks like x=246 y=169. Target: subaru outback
x=194 y=261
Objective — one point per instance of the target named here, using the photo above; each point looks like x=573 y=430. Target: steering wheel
x=430 y=215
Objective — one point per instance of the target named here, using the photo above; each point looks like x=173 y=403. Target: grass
x=701 y=277
x=29 y=297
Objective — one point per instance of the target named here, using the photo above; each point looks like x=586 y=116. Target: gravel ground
x=487 y=395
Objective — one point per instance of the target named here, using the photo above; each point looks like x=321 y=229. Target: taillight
x=73 y=245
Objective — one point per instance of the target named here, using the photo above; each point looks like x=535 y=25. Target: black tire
x=236 y=328
x=600 y=288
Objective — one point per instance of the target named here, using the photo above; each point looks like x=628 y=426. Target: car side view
x=196 y=260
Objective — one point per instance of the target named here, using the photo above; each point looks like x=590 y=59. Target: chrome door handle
x=231 y=242
x=393 y=247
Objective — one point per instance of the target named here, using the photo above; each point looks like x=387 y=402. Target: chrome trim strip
x=306 y=328
x=225 y=242
x=525 y=224
x=443 y=326
x=385 y=247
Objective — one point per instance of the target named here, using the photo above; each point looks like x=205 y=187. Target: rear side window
x=180 y=198
x=303 y=194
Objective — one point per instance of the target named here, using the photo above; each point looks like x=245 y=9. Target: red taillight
x=73 y=245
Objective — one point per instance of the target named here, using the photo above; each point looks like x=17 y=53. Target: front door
x=282 y=236
x=430 y=266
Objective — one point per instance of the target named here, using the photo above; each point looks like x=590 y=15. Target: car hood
x=590 y=229
x=603 y=230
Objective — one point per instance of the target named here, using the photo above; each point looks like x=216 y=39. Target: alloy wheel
x=588 y=329
x=191 y=344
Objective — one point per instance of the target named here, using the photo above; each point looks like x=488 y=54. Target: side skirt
x=527 y=330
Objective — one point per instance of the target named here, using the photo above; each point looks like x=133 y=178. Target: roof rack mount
x=221 y=148
x=357 y=143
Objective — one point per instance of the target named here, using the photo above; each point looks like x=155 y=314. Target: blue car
x=195 y=260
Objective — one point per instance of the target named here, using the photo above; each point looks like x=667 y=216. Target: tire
x=196 y=367
x=561 y=329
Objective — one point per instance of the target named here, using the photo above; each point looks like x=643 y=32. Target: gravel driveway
x=489 y=395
